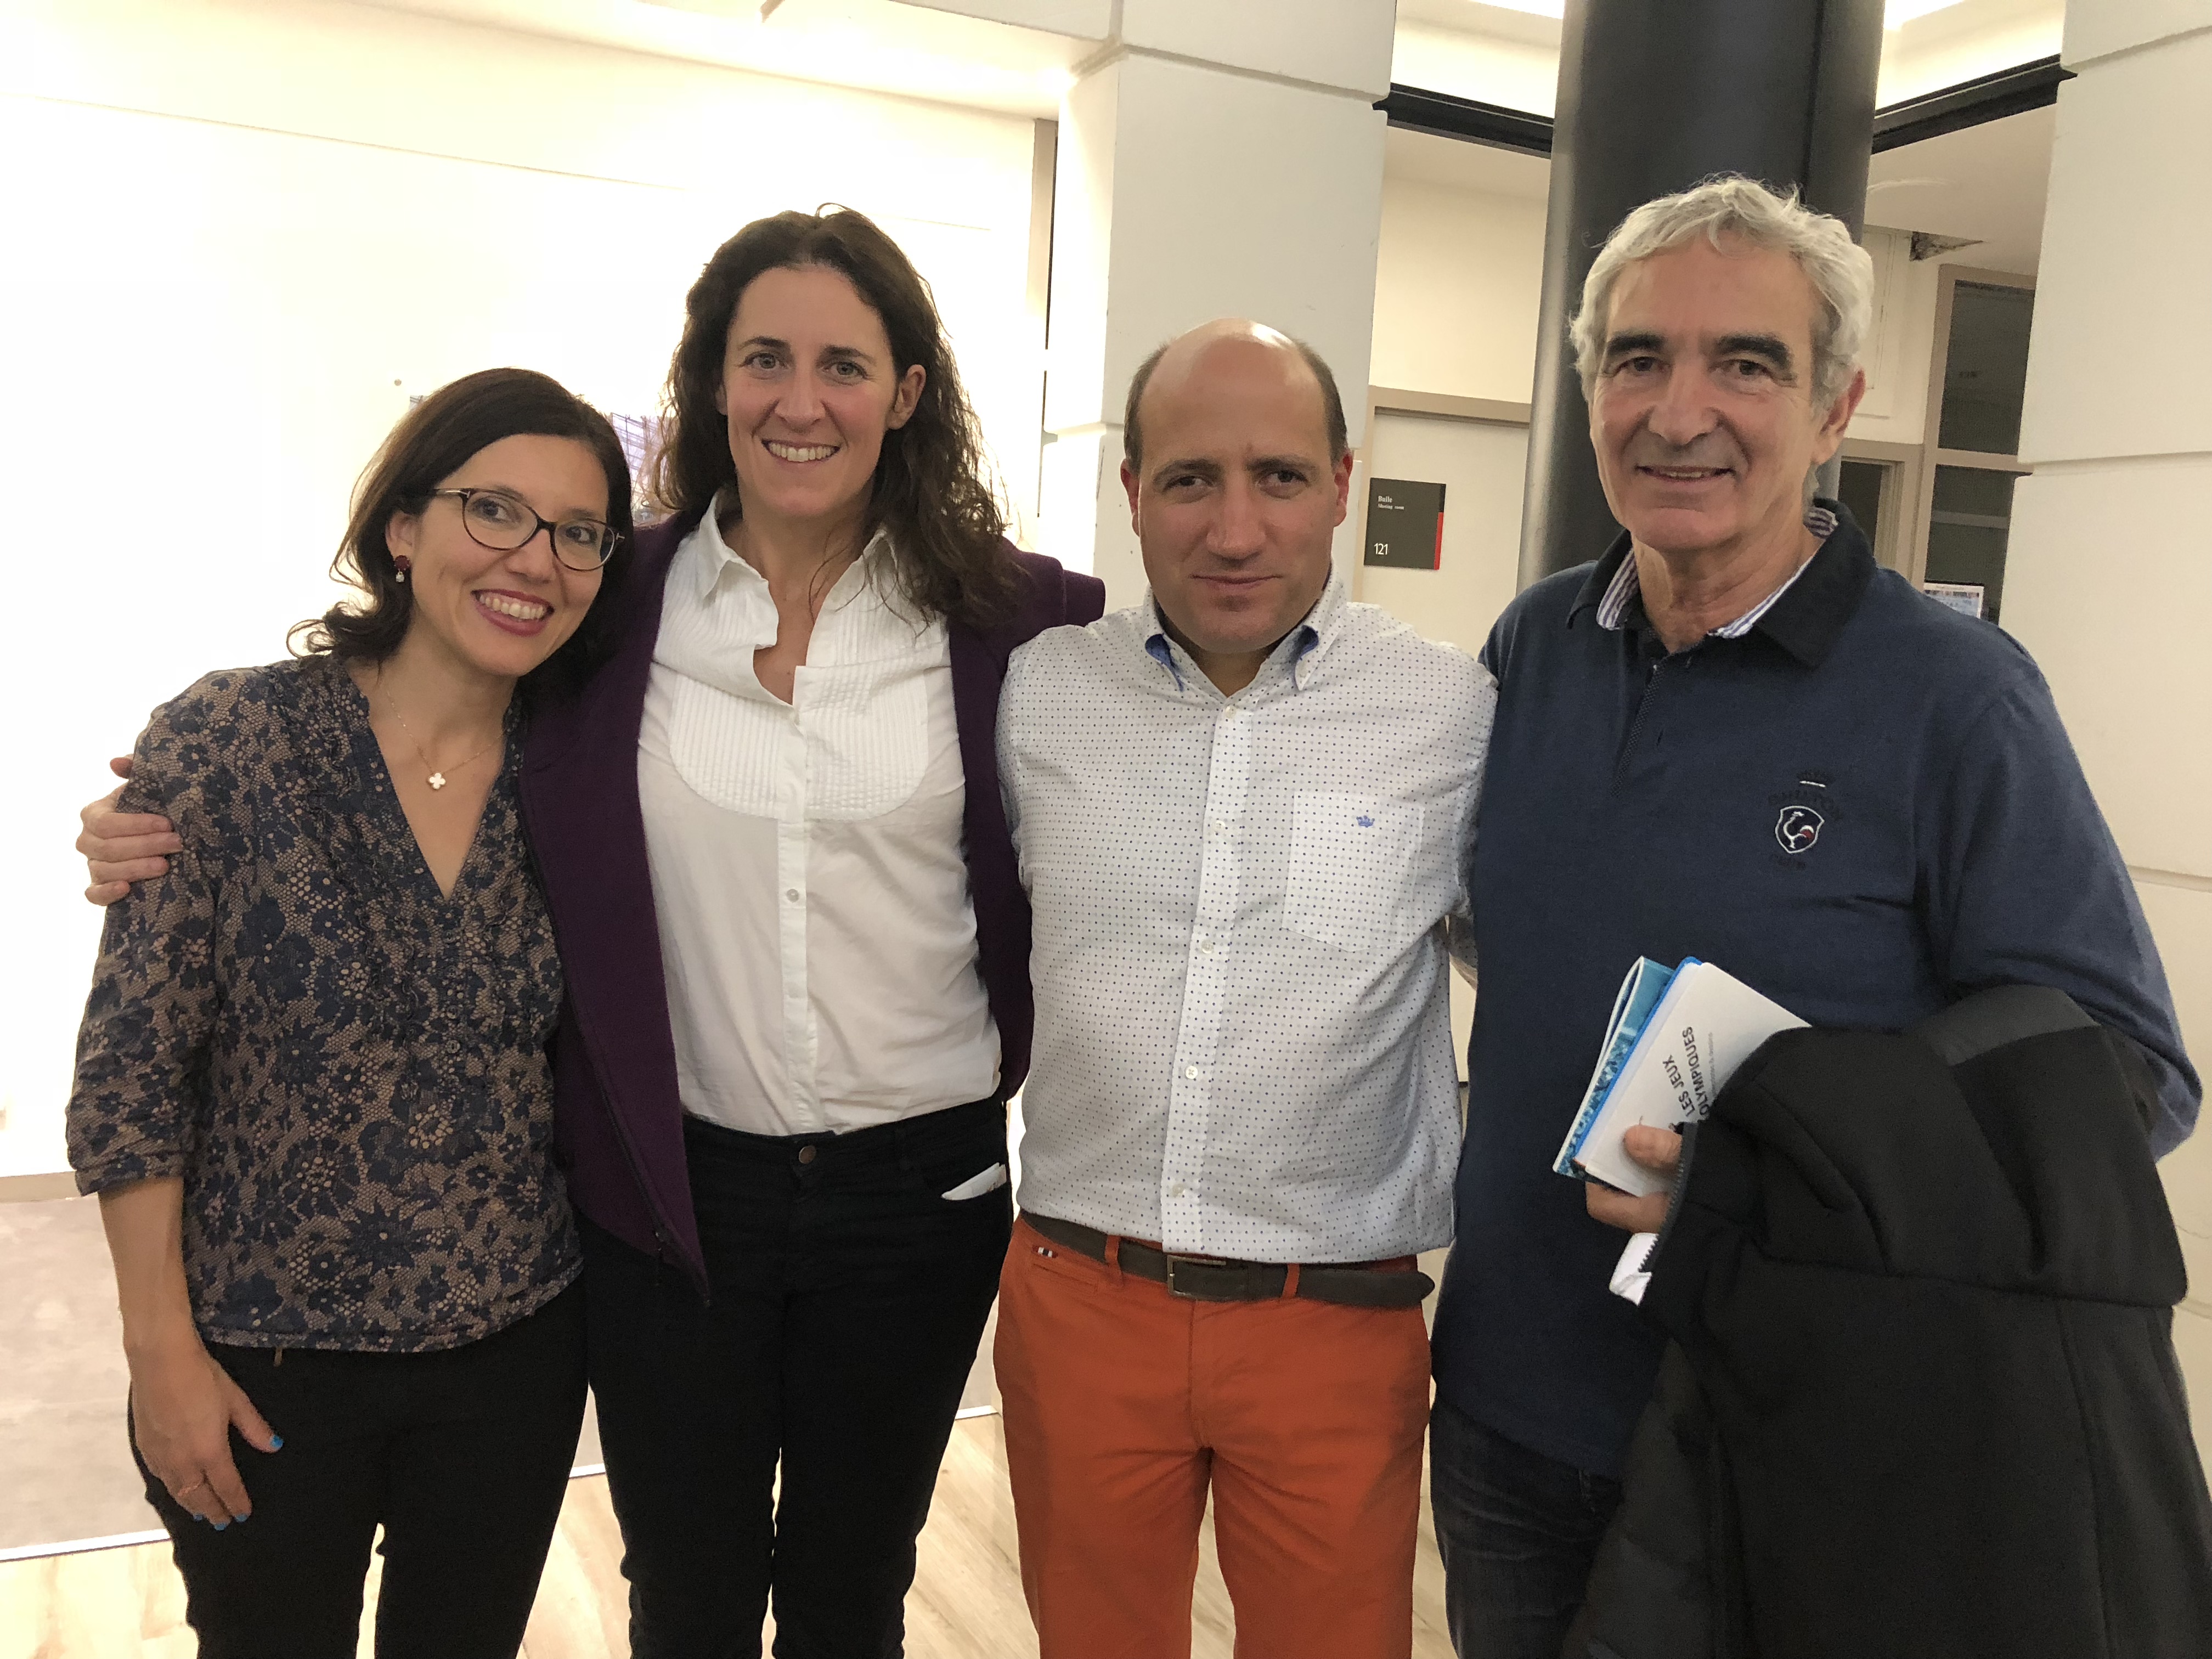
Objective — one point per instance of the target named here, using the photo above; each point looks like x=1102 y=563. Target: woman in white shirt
x=812 y=822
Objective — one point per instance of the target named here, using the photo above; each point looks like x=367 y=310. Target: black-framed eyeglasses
x=495 y=519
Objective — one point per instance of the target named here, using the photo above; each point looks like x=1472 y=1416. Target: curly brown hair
x=930 y=492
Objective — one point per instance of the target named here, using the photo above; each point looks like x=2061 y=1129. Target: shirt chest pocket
x=1349 y=875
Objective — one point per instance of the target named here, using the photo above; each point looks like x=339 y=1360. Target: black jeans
x=462 y=1456
x=848 y=1301
x=1517 y=1531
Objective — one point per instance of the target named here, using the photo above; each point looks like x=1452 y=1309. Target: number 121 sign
x=1405 y=524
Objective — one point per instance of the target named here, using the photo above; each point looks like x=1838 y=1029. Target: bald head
x=1238 y=497
x=1173 y=363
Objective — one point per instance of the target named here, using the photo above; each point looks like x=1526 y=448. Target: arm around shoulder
x=1086 y=597
x=1056 y=596
x=153 y=1002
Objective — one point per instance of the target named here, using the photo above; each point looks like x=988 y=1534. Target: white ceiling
x=1497 y=54
x=1492 y=53
x=1463 y=166
x=877 y=45
x=1505 y=22
x=1987 y=182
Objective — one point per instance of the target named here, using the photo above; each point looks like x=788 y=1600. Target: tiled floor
x=966 y=1602
x=63 y=1461
x=68 y=1475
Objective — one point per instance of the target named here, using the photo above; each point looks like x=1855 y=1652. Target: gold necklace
x=438 y=779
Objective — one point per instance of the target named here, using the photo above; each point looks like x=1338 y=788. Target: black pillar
x=1654 y=95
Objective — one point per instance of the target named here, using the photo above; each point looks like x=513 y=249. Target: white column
x=1216 y=157
x=2108 y=580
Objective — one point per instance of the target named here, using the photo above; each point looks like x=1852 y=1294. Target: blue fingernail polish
x=220 y=1525
x=243 y=1519
x=275 y=1443
x=196 y=1516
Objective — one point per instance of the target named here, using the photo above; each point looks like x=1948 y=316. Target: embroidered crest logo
x=1798 y=827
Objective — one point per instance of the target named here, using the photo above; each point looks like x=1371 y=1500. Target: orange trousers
x=1122 y=1403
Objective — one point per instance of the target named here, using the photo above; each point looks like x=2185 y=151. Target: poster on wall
x=1964 y=597
x=1405 y=524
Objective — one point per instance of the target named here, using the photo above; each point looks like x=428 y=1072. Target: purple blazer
x=618 y=1125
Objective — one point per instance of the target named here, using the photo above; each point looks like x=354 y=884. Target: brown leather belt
x=1210 y=1278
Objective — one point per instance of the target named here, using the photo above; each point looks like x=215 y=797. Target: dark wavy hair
x=435 y=441
x=930 y=490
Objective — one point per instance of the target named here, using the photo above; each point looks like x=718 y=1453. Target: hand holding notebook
x=1676 y=1036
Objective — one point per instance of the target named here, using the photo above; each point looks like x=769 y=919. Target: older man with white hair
x=1732 y=737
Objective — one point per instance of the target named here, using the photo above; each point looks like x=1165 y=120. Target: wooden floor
x=966 y=1602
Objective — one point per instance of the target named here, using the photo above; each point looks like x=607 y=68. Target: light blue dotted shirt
x=1244 y=1028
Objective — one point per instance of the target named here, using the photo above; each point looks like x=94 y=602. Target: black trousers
x=849 y=1302
x=462 y=1456
x=1518 y=1531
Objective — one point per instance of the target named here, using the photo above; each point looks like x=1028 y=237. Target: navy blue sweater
x=1866 y=808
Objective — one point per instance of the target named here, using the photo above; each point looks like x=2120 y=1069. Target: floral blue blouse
x=348 y=1069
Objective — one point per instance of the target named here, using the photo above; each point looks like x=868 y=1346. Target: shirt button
x=1190 y=1071
x=791 y=893
x=1175 y=1190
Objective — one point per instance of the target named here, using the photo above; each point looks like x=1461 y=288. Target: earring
x=401 y=565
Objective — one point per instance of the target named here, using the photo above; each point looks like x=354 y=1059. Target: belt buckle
x=1188 y=1261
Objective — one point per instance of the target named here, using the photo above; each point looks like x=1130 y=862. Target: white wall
x=1459 y=281
x=243 y=235
x=1902 y=342
x=2109 y=572
x=1456 y=285
x=1147 y=243
x=1481 y=464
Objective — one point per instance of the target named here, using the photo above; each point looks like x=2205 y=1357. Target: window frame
x=1912 y=560
x=1900 y=486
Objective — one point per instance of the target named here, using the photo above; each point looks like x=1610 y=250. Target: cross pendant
x=437 y=780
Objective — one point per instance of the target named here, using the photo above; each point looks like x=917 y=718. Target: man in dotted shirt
x=1243 y=809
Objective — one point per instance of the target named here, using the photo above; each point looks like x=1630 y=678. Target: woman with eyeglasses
x=313 y=1090
x=797 y=946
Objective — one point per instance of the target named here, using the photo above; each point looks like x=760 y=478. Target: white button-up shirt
x=1244 y=1027
x=816 y=928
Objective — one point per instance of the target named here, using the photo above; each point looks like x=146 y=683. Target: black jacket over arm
x=1923 y=1397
